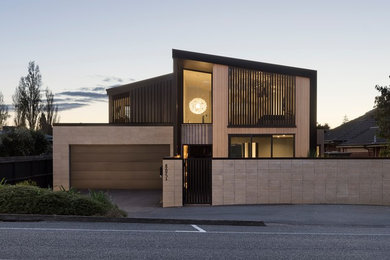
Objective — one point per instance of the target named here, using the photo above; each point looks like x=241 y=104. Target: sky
x=83 y=47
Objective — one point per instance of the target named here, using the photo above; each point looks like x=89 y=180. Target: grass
x=26 y=198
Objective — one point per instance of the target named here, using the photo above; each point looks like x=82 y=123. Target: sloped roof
x=360 y=131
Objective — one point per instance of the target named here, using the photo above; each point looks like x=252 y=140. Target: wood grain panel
x=117 y=166
x=302 y=138
x=220 y=118
x=220 y=110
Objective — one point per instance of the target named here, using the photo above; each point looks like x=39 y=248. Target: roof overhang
x=267 y=67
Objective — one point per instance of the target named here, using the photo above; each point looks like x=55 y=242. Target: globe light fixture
x=198 y=106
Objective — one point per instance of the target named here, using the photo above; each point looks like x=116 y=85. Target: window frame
x=211 y=97
x=260 y=135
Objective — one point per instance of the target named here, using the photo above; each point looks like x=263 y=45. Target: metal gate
x=197 y=181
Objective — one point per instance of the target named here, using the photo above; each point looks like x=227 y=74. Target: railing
x=197 y=133
x=35 y=168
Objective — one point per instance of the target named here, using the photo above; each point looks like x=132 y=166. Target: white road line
x=191 y=231
x=198 y=228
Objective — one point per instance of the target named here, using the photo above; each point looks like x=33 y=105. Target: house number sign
x=166 y=172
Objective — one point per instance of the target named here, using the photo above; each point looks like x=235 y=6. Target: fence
x=287 y=181
x=35 y=168
x=301 y=181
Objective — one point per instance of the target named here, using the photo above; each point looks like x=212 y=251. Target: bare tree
x=3 y=111
x=29 y=95
x=49 y=114
x=50 y=109
x=20 y=111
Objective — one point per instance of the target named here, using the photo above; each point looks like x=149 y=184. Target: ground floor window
x=261 y=146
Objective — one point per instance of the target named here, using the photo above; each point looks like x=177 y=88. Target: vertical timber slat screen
x=261 y=99
x=145 y=105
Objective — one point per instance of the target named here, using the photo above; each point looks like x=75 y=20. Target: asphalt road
x=67 y=240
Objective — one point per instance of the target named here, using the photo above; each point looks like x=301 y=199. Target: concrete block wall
x=301 y=181
x=172 y=183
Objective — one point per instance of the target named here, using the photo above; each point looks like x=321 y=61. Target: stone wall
x=172 y=183
x=301 y=181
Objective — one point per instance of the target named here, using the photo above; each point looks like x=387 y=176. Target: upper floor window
x=121 y=108
x=197 y=105
x=261 y=99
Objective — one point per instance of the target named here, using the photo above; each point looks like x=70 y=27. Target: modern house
x=355 y=138
x=209 y=107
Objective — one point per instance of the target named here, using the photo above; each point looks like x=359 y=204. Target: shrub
x=23 y=142
x=27 y=199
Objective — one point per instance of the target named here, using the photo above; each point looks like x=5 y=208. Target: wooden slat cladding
x=117 y=166
x=197 y=134
x=149 y=104
x=121 y=108
x=260 y=99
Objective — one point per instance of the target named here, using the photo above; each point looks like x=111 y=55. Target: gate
x=197 y=181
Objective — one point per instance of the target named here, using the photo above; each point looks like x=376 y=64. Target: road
x=67 y=240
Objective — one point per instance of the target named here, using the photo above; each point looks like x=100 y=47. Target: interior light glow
x=198 y=106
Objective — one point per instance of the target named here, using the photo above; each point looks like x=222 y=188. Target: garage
x=134 y=167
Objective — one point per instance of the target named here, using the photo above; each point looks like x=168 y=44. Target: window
x=261 y=99
x=197 y=106
x=121 y=108
x=261 y=146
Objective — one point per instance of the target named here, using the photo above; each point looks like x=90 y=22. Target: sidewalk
x=139 y=205
x=334 y=215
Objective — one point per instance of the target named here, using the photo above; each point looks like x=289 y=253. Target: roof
x=138 y=84
x=267 y=67
x=360 y=131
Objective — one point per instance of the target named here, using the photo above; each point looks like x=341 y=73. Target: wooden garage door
x=116 y=166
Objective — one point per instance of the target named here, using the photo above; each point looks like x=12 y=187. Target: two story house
x=209 y=106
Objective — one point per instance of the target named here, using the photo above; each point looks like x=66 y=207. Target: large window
x=261 y=146
x=197 y=106
x=261 y=99
x=121 y=108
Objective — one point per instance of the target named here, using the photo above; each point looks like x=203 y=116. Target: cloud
x=84 y=96
x=99 y=89
x=93 y=95
x=69 y=106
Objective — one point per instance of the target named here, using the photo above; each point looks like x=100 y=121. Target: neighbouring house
x=209 y=106
x=355 y=138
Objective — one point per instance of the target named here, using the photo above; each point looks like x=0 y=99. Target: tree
x=324 y=126
x=28 y=96
x=382 y=115
x=3 y=111
x=23 y=142
x=382 y=112
x=20 y=111
x=49 y=115
x=345 y=119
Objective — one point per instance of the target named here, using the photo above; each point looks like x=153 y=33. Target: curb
x=65 y=218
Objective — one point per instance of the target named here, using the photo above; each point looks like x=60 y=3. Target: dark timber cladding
x=145 y=102
x=265 y=67
x=261 y=99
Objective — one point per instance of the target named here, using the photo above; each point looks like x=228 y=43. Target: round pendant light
x=198 y=106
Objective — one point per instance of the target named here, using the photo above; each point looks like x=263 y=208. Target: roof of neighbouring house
x=360 y=131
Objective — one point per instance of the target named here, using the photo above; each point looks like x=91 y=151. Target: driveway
x=136 y=201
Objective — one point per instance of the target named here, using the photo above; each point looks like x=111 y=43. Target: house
x=355 y=138
x=210 y=106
